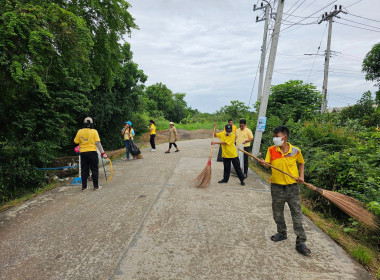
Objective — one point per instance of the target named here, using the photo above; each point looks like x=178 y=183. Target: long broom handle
x=310 y=186
x=213 y=136
x=104 y=169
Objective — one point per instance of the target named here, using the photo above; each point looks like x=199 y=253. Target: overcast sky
x=210 y=49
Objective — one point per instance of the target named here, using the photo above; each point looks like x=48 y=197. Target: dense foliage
x=61 y=61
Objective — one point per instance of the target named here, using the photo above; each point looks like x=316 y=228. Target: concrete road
x=149 y=222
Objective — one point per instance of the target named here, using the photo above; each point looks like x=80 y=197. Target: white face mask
x=277 y=141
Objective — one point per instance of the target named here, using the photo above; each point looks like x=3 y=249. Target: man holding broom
x=285 y=156
x=229 y=153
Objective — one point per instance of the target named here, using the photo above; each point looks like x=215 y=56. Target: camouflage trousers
x=290 y=194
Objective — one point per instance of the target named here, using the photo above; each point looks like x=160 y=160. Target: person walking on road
x=128 y=134
x=88 y=140
x=152 y=129
x=284 y=189
x=173 y=137
x=229 y=154
x=244 y=136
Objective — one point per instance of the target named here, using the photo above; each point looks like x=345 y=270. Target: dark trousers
x=227 y=168
x=152 y=136
x=290 y=194
x=246 y=164
x=127 y=147
x=174 y=144
x=89 y=160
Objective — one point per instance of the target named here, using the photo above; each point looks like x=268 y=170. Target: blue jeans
x=127 y=147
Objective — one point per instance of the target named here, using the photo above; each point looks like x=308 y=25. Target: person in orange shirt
x=284 y=189
x=88 y=140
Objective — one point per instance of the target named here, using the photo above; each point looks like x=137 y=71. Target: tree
x=236 y=110
x=371 y=65
x=293 y=100
x=364 y=110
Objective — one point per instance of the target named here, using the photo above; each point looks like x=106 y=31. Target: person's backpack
x=133 y=148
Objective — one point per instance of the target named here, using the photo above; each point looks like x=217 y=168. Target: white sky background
x=210 y=49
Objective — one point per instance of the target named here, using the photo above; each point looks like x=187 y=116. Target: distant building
x=335 y=109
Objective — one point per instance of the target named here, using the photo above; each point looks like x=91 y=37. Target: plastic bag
x=133 y=148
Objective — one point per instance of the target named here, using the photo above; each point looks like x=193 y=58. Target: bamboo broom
x=349 y=205
x=204 y=178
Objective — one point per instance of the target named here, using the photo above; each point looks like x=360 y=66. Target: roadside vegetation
x=59 y=65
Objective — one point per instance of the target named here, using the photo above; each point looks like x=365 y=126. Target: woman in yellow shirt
x=152 y=130
x=128 y=134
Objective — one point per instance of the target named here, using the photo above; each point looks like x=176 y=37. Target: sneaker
x=85 y=189
x=153 y=150
x=98 y=188
x=242 y=183
x=167 y=152
x=177 y=150
x=222 y=182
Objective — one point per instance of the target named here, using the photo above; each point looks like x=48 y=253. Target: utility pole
x=264 y=45
x=268 y=79
x=328 y=17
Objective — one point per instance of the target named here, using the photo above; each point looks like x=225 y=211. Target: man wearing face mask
x=284 y=189
x=229 y=153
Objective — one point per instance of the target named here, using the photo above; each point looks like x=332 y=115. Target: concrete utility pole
x=264 y=45
x=268 y=78
x=328 y=17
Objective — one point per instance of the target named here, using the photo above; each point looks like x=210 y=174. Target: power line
x=319 y=47
x=308 y=16
x=299 y=16
x=363 y=17
x=295 y=8
x=360 y=23
x=363 y=28
x=353 y=3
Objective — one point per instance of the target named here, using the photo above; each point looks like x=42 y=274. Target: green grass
x=197 y=125
x=27 y=196
x=362 y=254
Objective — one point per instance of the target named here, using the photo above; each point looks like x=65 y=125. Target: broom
x=204 y=178
x=349 y=205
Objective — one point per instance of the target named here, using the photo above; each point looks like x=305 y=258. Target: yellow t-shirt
x=285 y=162
x=129 y=135
x=243 y=135
x=153 y=131
x=229 y=149
x=86 y=138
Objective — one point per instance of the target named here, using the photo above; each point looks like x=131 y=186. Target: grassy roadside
x=30 y=195
x=359 y=248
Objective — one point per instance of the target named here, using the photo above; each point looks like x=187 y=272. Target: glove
x=103 y=155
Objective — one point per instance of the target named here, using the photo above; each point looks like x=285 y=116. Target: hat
x=88 y=119
x=228 y=128
x=128 y=122
x=171 y=123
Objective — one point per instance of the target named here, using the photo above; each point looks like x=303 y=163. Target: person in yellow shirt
x=152 y=129
x=88 y=140
x=231 y=122
x=244 y=136
x=128 y=134
x=229 y=154
x=284 y=189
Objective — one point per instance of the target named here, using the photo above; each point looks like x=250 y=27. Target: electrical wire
x=353 y=3
x=308 y=16
x=295 y=8
x=257 y=70
x=319 y=47
x=298 y=16
x=363 y=17
x=360 y=23
x=363 y=28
